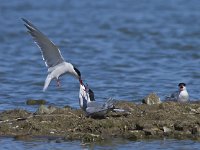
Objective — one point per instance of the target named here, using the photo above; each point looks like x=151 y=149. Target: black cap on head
x=77 y=71
x=181 y=84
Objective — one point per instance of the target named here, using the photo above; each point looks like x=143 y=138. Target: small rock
x=166 y=130
x=135 y=135
x=45 y=110
x=178 y=127
x=88 y=137
x=151 y=99
x=182 y=125
x=16 y=127
x=151 y=130
x=196 y=111
x=35 y=102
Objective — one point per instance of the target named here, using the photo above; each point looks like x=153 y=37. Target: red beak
x=181 y=88
x=80 y=80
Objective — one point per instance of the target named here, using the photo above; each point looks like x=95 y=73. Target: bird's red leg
x=58 y=83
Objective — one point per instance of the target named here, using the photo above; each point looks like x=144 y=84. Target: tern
x=93 y=108
x=54 y=61
x=181 y=95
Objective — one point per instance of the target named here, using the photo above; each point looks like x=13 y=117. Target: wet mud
x=167 y=119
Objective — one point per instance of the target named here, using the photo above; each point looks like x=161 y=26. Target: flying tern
x=54 y=61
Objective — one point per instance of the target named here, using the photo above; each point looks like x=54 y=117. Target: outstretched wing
x=50 y=53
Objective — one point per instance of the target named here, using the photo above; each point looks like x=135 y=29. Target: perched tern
x=93 y=108
x=181 y=95
x=56 y=64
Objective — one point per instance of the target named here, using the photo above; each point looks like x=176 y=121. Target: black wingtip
x=28 y=25
x=23 y=19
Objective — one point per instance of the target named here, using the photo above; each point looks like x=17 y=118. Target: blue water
x=120 y=144
x=124 y=49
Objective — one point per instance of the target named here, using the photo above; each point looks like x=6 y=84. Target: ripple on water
x=123 y=49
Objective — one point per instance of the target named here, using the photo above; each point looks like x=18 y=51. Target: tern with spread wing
x=56 y=64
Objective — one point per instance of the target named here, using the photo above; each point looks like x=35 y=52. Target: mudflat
x=167 y=119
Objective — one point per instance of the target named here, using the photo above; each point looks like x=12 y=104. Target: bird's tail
x=110 y=103
x=111 y=106
x=47 y=82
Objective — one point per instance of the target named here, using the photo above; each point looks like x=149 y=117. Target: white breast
x=183 y=96
x=84 y=98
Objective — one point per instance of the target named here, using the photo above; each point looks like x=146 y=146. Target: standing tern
x=181 y=95
x=93 y=108
x=56 y=64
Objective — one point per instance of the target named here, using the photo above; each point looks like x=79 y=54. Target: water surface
x=124 y=49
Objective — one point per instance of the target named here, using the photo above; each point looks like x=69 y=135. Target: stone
x=151 y=99
x=35 y=102
x=166 y=129
x=45 y=110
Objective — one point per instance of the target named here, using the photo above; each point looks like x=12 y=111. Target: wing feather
x=50 y=52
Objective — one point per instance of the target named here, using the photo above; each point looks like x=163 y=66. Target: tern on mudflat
x=93 y=108
x=56 y=64
x=181 y=95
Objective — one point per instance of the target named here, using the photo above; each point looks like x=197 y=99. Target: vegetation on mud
x=168 y=119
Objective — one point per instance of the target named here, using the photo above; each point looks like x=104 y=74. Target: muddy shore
x=168 y=119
